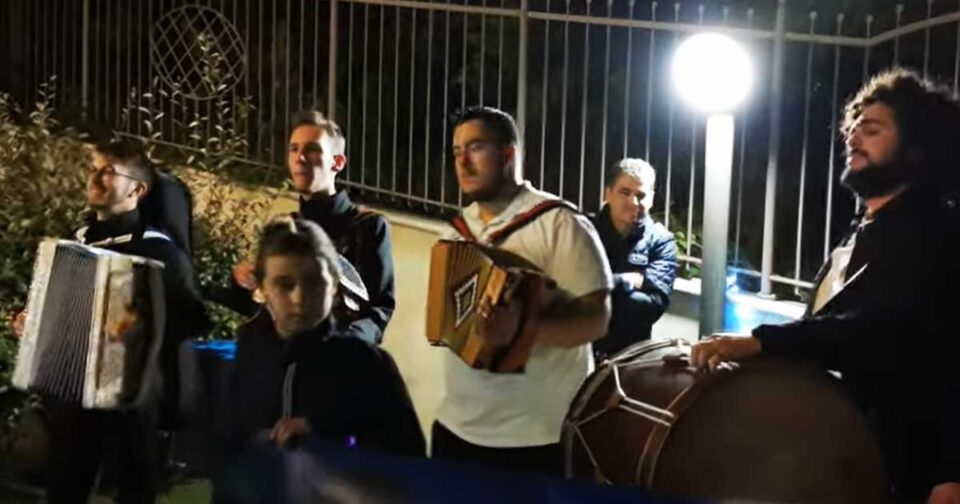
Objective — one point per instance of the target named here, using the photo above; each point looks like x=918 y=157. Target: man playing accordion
x=119 y=178
x=513 y=420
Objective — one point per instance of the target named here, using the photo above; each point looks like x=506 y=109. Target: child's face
x=299 y=292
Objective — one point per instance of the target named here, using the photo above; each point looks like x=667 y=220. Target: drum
x=763 y=431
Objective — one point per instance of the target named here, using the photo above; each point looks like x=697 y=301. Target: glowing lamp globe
x=712 y=72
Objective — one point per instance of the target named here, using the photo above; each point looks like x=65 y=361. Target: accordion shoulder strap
x=515 y=224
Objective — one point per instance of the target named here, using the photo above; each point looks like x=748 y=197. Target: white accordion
x=94 y=326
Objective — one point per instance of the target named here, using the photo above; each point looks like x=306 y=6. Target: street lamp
x=714 y=74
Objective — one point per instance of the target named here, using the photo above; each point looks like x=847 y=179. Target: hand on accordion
x=287 y=429
x=499 y=322
x=117 y=326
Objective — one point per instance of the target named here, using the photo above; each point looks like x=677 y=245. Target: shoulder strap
x=527 y=217
x=462 y=229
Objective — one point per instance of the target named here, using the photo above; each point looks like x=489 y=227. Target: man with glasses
x=119 y=178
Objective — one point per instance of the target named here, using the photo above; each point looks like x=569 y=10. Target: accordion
x=94 y=326
x=462 y=274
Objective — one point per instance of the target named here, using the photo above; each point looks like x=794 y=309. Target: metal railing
x=588 y=81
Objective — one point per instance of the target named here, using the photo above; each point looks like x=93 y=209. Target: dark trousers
x=545 y=460
x=83 y=439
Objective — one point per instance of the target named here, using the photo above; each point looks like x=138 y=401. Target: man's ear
x=339 y=163
x=140 y=190
x=509 y=153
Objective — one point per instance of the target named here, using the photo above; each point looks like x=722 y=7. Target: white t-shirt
x=520 y=410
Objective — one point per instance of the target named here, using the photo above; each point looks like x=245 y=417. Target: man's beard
x=490 y=192
x=877 y=179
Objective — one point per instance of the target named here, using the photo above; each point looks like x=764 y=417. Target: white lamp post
x=713 y=73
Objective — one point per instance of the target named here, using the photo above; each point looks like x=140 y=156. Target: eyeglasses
x=109 y=170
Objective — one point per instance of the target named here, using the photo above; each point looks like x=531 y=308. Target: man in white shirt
x=513 y=421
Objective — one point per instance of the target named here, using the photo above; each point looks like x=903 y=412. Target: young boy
x=295 y=377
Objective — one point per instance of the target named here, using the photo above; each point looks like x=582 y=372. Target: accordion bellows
x=461 y=275
x=94 y=326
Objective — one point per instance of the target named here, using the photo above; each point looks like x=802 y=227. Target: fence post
x=85 y=60
x=770 y=200
x=522 y=67
x=332 y=63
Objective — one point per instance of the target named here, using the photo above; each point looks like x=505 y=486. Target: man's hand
x=719 y=348
x=289 y=428
x=634 y=279
x=118 y=326
x=945 y=493
x=243 y=275
x=18 y=322
x=498 y=324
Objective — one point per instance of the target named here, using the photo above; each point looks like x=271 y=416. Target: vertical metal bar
x=383 y=15
x=316 y=61
x=500 y=62
x=563 y=104
x=544 y=96
x=363 y=98
x=141 y=31
x=671 y=112
x=896 y=40
x=483 y=49
x=261 y=92
x=287 y=48
x=650 y=72
x=301 y=59
x=926 y=42
x=332 y=61
x=956 y=63
x=349 y=126
x=867 y=50
x=833 y=142
x=273 y=88
x=627 y=86
x=773 y=157
x=798 y=257
x=85 y=61
x=693 y=164
x=429 y=75
x=606 y=92
x=396 y=100
x=583 y=107
x=744 y=120
x=413 y=65
x=116 y=64
x=522 y=72
x=463 y=85
x=129 y=49
x=446 y=106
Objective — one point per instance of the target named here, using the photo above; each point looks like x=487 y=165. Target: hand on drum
x=719 y=348
x=498 y=323
x=243 y=275
x=945 y=493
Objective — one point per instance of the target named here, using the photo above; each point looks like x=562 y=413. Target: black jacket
x=649 y=249
x=363 y=238
x=348 y=390
x=186 y=316
x=891 y=333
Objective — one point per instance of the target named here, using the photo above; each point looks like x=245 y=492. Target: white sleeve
x=575 y=257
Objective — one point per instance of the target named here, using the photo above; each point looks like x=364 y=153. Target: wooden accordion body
x=462 y=273
x=77 y=294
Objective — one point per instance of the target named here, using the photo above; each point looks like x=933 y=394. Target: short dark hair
x=295 y=236
x=131 y=154
x=927 y=117
x=327 y=126
x=499 y=123
x=631 y=166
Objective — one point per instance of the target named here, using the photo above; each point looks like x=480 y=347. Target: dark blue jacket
x=649 y=249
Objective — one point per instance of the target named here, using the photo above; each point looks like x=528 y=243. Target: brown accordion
x=462 y=274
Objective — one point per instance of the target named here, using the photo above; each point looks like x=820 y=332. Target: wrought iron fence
x=588 y=81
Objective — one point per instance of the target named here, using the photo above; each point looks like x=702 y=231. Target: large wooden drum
x=762 y=431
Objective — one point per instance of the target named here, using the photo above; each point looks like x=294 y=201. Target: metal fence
x=588 y=81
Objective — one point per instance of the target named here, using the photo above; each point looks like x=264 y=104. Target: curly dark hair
x=927 y=117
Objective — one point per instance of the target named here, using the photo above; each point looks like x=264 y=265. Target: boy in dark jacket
x=295 y=377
